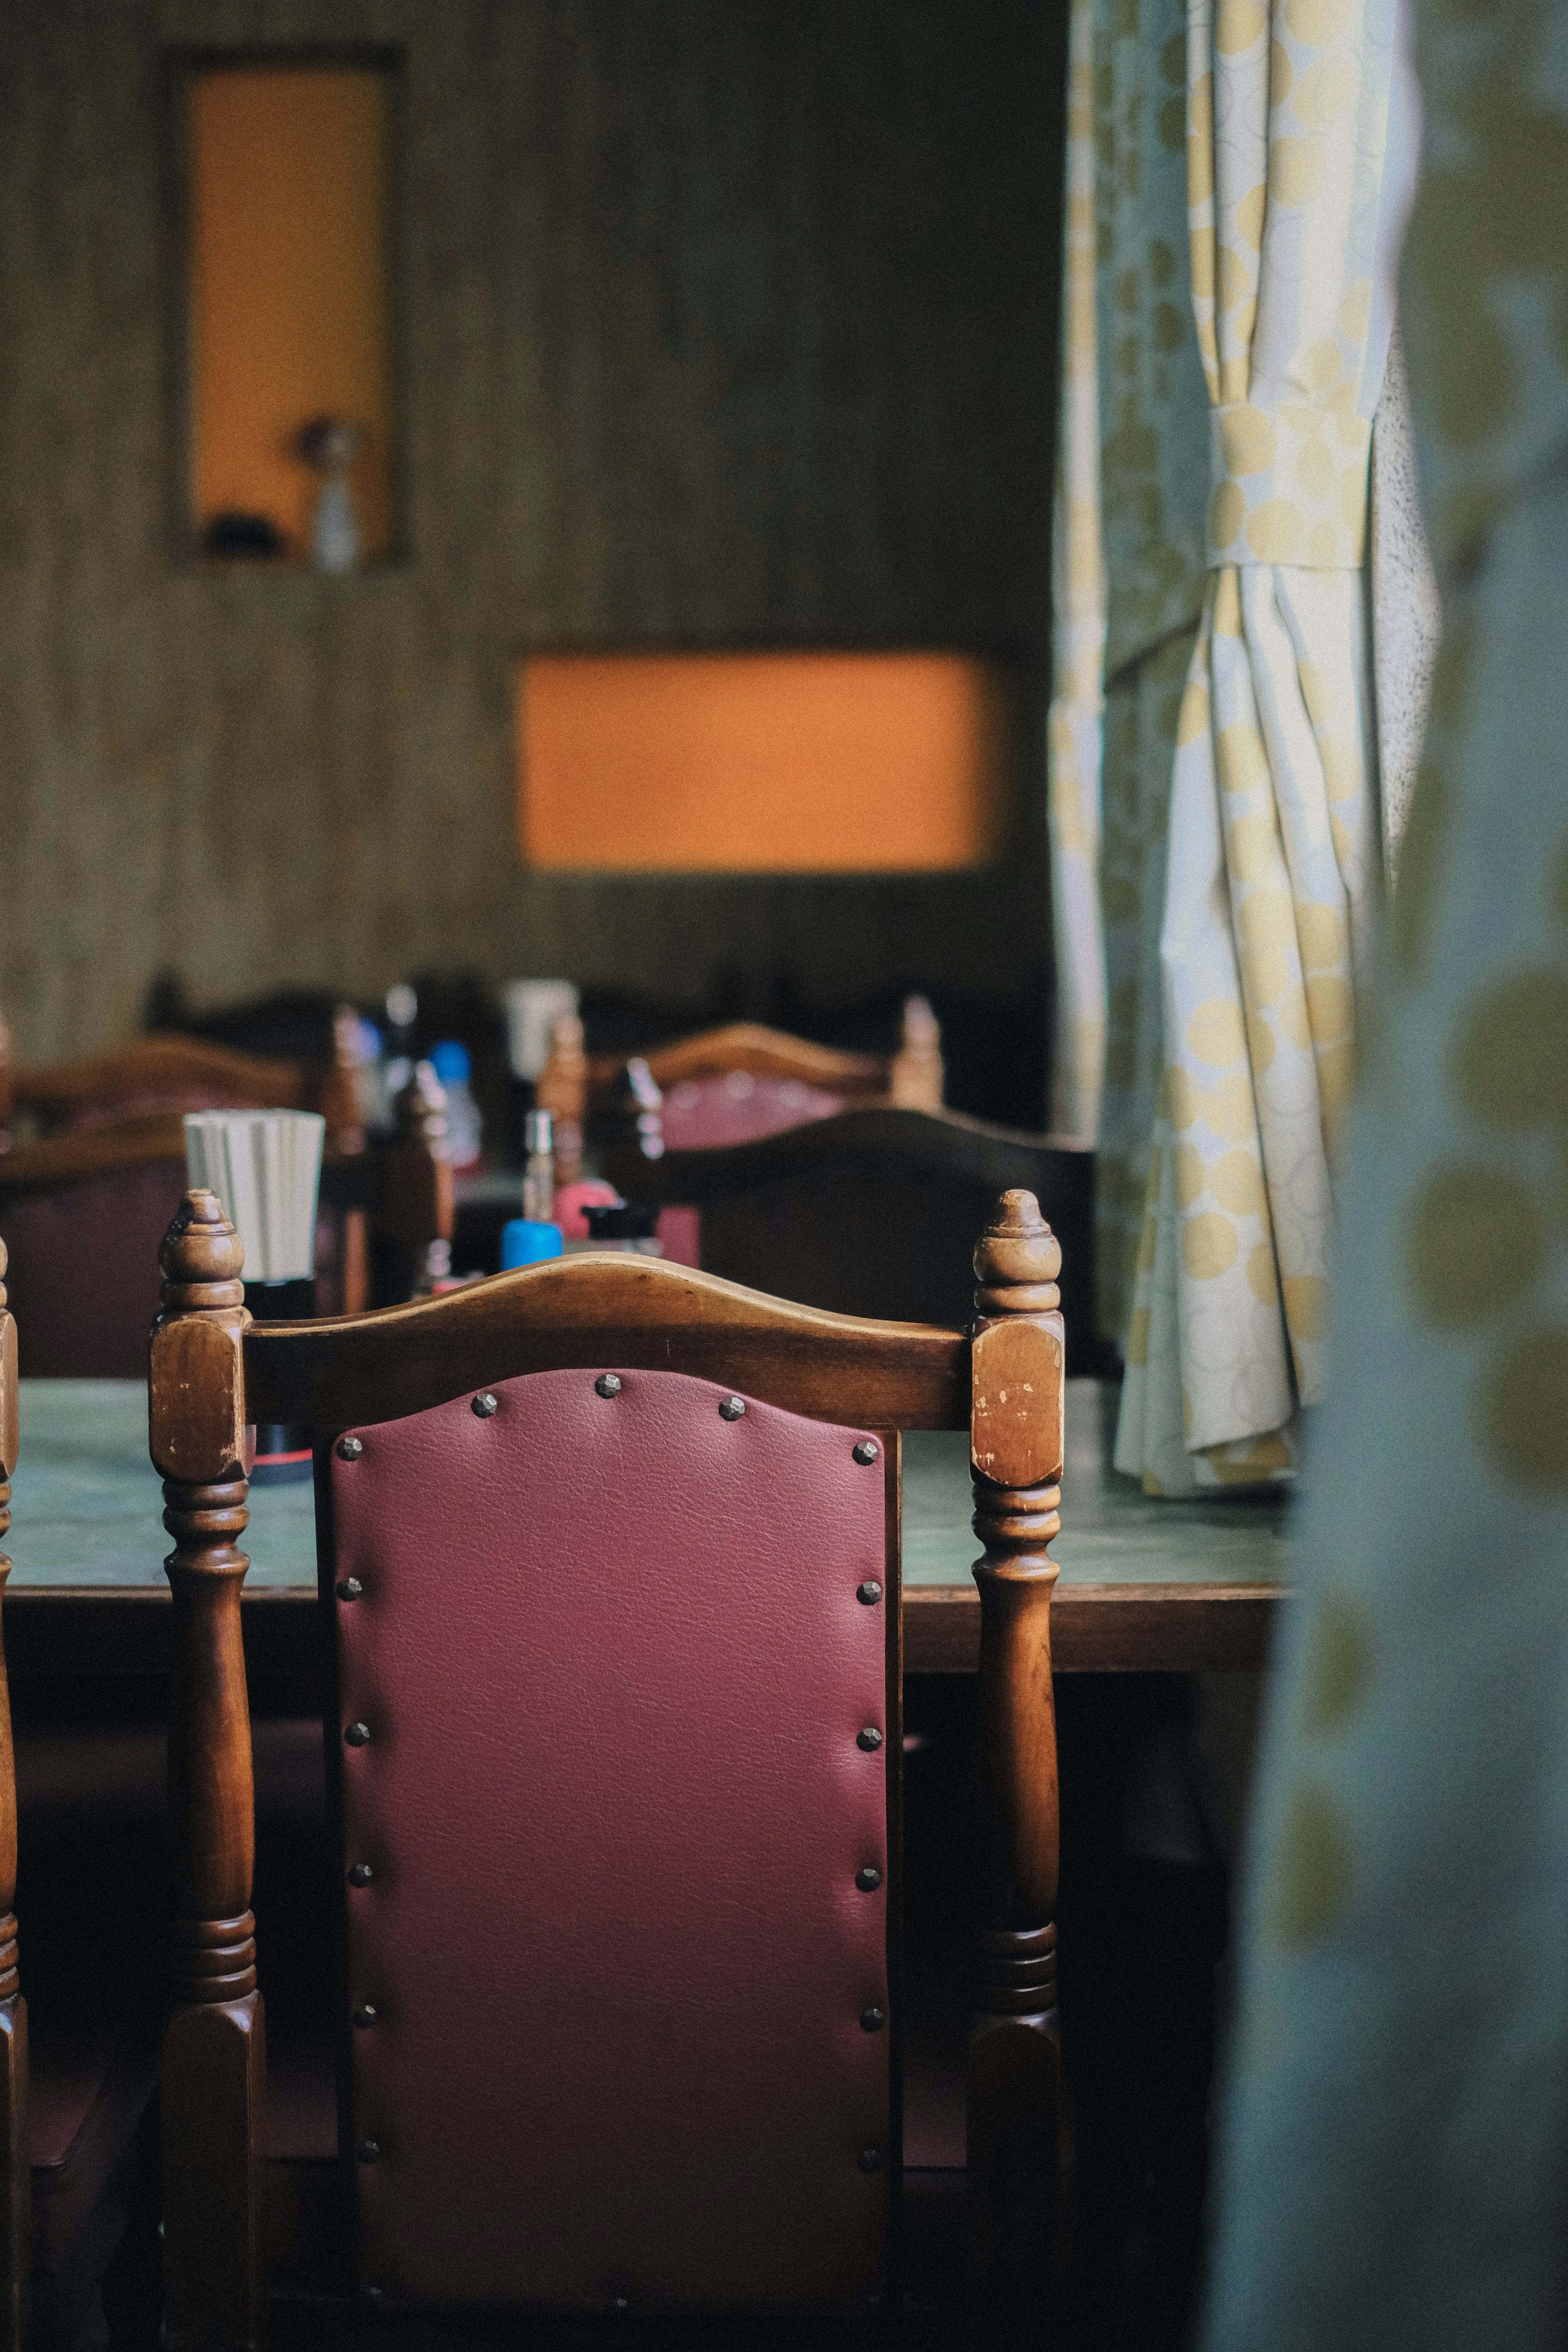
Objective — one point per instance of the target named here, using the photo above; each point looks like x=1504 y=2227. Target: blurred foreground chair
x=86 y=1211
x=868 y=1213
x=76 y=2075
x=610 y=1584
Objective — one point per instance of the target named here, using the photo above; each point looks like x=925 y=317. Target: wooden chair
x=148 y=1074
x=736 y=1084
x=74 y=2090
x=610 y=1581
x=86 y=1210
x=866 y=1212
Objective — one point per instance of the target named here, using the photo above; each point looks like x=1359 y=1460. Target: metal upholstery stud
x=868 y=1593
x=358 y=1735
x=870 y=1739
x=484 y=1405
x=360 y=1874
x=607 y=1385
x=348 y=1588
x=873 y=2019
x=870 y=2159
x=350 y=1448
x=866 y=1451
x=369 y=2151
x=367 y=2014
x=733 y=1408
x=868 y=1879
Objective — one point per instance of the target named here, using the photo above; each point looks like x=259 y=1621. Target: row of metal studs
x=866 y=1451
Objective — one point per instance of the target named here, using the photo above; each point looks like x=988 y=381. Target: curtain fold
x=1274 y=862
x=1130 y=569
x=1078 y=635
x=1396 y=2142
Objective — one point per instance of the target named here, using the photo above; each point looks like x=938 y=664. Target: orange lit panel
x=817 y=763
x=291 y=299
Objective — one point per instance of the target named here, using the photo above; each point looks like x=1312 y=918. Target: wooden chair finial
x=419 y=1210
x=916 y=1077
x=1015 y=2065
x=339 y=1096
x=562 y=1091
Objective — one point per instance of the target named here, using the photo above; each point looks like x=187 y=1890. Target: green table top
x=87 y=1507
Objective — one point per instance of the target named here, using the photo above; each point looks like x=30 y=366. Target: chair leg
x=214 y=2070
x=1015 y=2089
x=16 y=2188
x=214 y=2090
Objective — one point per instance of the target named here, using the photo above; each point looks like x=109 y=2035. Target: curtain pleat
x=1273 y=869
x=1077 y=636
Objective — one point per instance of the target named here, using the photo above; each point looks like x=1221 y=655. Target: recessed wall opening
x=288 y=203
x=820 y=762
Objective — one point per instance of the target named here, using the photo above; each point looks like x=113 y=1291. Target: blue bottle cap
x=525 y=1240
x=450 y=1062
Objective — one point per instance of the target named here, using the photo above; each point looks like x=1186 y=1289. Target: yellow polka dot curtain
x=1397 y=2148
x=1129 y=558
x=1273 y=866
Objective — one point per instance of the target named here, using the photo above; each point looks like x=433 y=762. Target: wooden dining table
x=1147 y=1583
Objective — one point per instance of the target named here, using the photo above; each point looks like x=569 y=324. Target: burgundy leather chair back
x=702 y=1114
x=614 y=1750
x=84 y=1280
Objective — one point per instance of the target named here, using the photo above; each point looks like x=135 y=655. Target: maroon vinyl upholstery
x=614 y=1669
x=702 y=1114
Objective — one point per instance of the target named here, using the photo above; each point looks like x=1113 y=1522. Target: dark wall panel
x=723 y=321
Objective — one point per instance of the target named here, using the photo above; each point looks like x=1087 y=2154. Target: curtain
x=1274 y=864
x=1397 y=2145
x=1077 y=636
x=1129 y=570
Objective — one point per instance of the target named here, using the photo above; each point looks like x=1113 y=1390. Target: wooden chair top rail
x=156 y=1064
x=762 y=1053
x=349 y=1180
x=74 y=1159
x=596 y=1310
x=1000 y=1158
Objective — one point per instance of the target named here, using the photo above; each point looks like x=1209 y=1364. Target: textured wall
x=722 y=321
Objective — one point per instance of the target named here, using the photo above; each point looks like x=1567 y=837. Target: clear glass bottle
x=539 y=1170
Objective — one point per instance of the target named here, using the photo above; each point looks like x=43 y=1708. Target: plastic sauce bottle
x=451 y=1064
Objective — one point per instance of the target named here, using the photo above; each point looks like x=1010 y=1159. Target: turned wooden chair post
x=1015 y=2055
x=562 y=1091
x=16 y=2189
x=214 y=2071
x=418 y=1214
x=916 y=1077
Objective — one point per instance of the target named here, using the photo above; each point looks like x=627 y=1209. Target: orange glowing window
x=817 y=763
x=290 y=293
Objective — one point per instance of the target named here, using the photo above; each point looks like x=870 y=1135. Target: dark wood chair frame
x=399 y=1192
x=137 y=1073
x=213 y=1372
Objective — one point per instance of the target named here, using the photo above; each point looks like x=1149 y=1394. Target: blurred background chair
x=86 y=1210
x=866 y=1212
x=739 y=1083
x=651 y=2062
